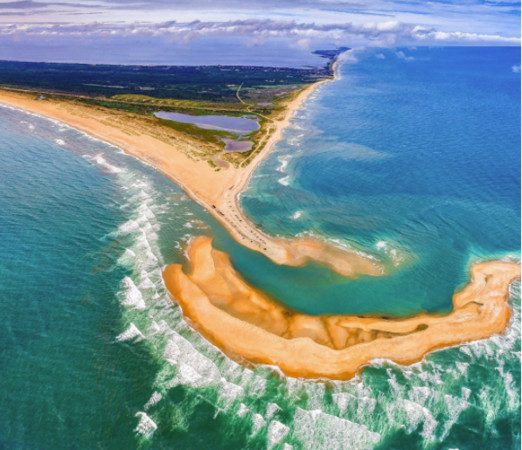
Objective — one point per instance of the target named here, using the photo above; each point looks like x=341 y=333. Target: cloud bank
x=139 y=31
x=390 y=32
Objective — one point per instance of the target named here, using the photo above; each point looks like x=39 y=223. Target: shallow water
x=240 y=125
x=94 y=353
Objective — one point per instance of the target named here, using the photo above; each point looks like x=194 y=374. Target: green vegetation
x=213 y=136
x=203 y=83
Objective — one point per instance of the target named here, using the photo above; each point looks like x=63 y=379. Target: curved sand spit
x=247 y=325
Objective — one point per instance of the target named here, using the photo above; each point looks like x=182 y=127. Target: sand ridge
x=248 y=325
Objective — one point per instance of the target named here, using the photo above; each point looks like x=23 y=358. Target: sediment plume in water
x=248 y=325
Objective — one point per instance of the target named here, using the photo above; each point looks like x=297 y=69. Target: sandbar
x=248 y=325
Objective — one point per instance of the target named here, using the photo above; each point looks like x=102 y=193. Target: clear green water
x=95 y=355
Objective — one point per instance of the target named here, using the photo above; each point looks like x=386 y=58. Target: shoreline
x=246 y=324
x=218 y=192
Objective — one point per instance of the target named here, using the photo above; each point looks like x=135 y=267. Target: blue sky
x=281 y=32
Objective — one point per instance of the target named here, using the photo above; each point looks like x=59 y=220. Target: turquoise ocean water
x=412 y=156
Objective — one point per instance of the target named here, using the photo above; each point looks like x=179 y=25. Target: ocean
x=411 y=156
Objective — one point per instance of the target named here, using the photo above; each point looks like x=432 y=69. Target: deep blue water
x=413 y=160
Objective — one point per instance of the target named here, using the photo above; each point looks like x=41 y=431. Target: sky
x=256 y=32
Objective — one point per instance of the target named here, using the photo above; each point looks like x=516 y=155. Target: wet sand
x=248 y=325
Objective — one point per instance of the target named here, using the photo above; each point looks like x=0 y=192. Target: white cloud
x=388 y=33
x=464 y=37
x=401 y=55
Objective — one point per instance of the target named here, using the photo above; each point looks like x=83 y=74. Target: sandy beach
x=248 y=325
x=176 y=155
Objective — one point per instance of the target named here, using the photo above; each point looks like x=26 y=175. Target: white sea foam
x=271 y=409
x=283 y=160
x=455 y=407
x=464 y=349
x=147 y=256
x=132 y=295
x=293 y=385
x=146 y=425
x=129 y=227
x=145 y=212
x=342 y=399
x=257 y=387
x=127 y=259
x=60 y=142
x=420 y=394
x=243 y=410
x=315 y=393
x=30 y=126
x=366 y=406
x=295 y=137
x=102 y=162
x=246 y=377
x=194 y=369
x=146 y=281
x=394 y=384
x=229 y=393
x=513 y=396
x=189 y=376
x=276 y=432
x=132 y=332
x=153 y=400
x=418 y=414
x=391 y=251
x=297 y=215
x=312 y=427
x=285 y=181
x=462 y=367
x=258 y=422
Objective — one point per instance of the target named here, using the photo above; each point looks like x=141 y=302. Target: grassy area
x=193 y=105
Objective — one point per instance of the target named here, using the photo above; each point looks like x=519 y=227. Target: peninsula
x=216 y=186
